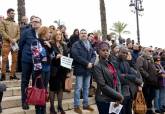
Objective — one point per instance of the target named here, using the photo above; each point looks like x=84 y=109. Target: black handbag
x=2 y=87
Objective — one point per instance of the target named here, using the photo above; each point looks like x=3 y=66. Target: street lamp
x=58 y=22
x=137 y=5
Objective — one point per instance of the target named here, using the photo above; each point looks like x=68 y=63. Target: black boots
x=61 y=110
x=25 y=106
x=1 y=95
x=52 y=110
x=14 y=77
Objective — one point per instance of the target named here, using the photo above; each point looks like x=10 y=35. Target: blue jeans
x=159 y=101
x=162 y=96
x=82 y=82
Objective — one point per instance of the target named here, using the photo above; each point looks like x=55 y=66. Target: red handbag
x=35 y=95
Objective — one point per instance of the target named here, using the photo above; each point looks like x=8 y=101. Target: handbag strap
x=42 y=83
x=140 y=97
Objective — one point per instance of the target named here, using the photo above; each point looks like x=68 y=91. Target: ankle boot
x=60 y=109
x=52 y=110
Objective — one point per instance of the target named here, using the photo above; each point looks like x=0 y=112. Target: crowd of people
x=120 y=70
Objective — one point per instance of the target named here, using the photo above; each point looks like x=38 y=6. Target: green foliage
x=119 y=28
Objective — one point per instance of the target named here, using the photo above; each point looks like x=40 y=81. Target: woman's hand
x=59 y=56
x=47 y=43
x=121 y=99
x=68 y=74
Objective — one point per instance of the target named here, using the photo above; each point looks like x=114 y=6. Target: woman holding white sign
x=58 y=73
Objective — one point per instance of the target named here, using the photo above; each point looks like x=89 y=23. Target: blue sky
x=85 y=14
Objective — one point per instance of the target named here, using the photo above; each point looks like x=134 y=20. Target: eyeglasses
x=35 y=21
x=83 y=33
x=125 y=53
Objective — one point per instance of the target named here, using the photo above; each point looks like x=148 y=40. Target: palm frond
x=119 y=28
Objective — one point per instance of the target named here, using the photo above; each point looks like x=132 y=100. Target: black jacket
x=106 y=92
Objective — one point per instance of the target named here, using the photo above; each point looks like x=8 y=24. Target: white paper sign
x=113 y=109
x=14 y=47
x=66 y=62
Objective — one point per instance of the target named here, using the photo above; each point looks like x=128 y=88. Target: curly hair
x=43 y=31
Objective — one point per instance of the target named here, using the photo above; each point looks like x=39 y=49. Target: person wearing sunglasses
x=159 y=97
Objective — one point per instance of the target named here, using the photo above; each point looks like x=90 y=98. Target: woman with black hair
x=108 y=84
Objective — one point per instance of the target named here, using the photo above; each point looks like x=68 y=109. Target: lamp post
x=137 y=4
x=58 y=22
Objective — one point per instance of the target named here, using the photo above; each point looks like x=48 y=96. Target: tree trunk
x=21 y=9
x=103 y=19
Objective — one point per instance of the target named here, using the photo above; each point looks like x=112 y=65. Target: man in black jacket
x=127 y=78
x=146 y=67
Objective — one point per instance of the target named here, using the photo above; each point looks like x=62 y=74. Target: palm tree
x=119 y=28
x=21 y=9
x=103 y=19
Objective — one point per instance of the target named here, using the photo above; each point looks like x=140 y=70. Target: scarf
x=114 y=74
x=87 y=44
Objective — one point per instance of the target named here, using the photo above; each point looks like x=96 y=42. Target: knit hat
x=102 y=45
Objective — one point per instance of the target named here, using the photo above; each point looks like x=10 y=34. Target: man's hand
x=90 y=65
x=13 y=41
x=139 y=88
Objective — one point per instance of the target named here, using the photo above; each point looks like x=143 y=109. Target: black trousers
x=26 y=74
x=103 y=107
x=149 y=95
x=19 y=63
x=127 y=105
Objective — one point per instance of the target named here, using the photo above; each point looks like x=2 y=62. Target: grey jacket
x=129 y=78
x=147 y=70
x=106 y=92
